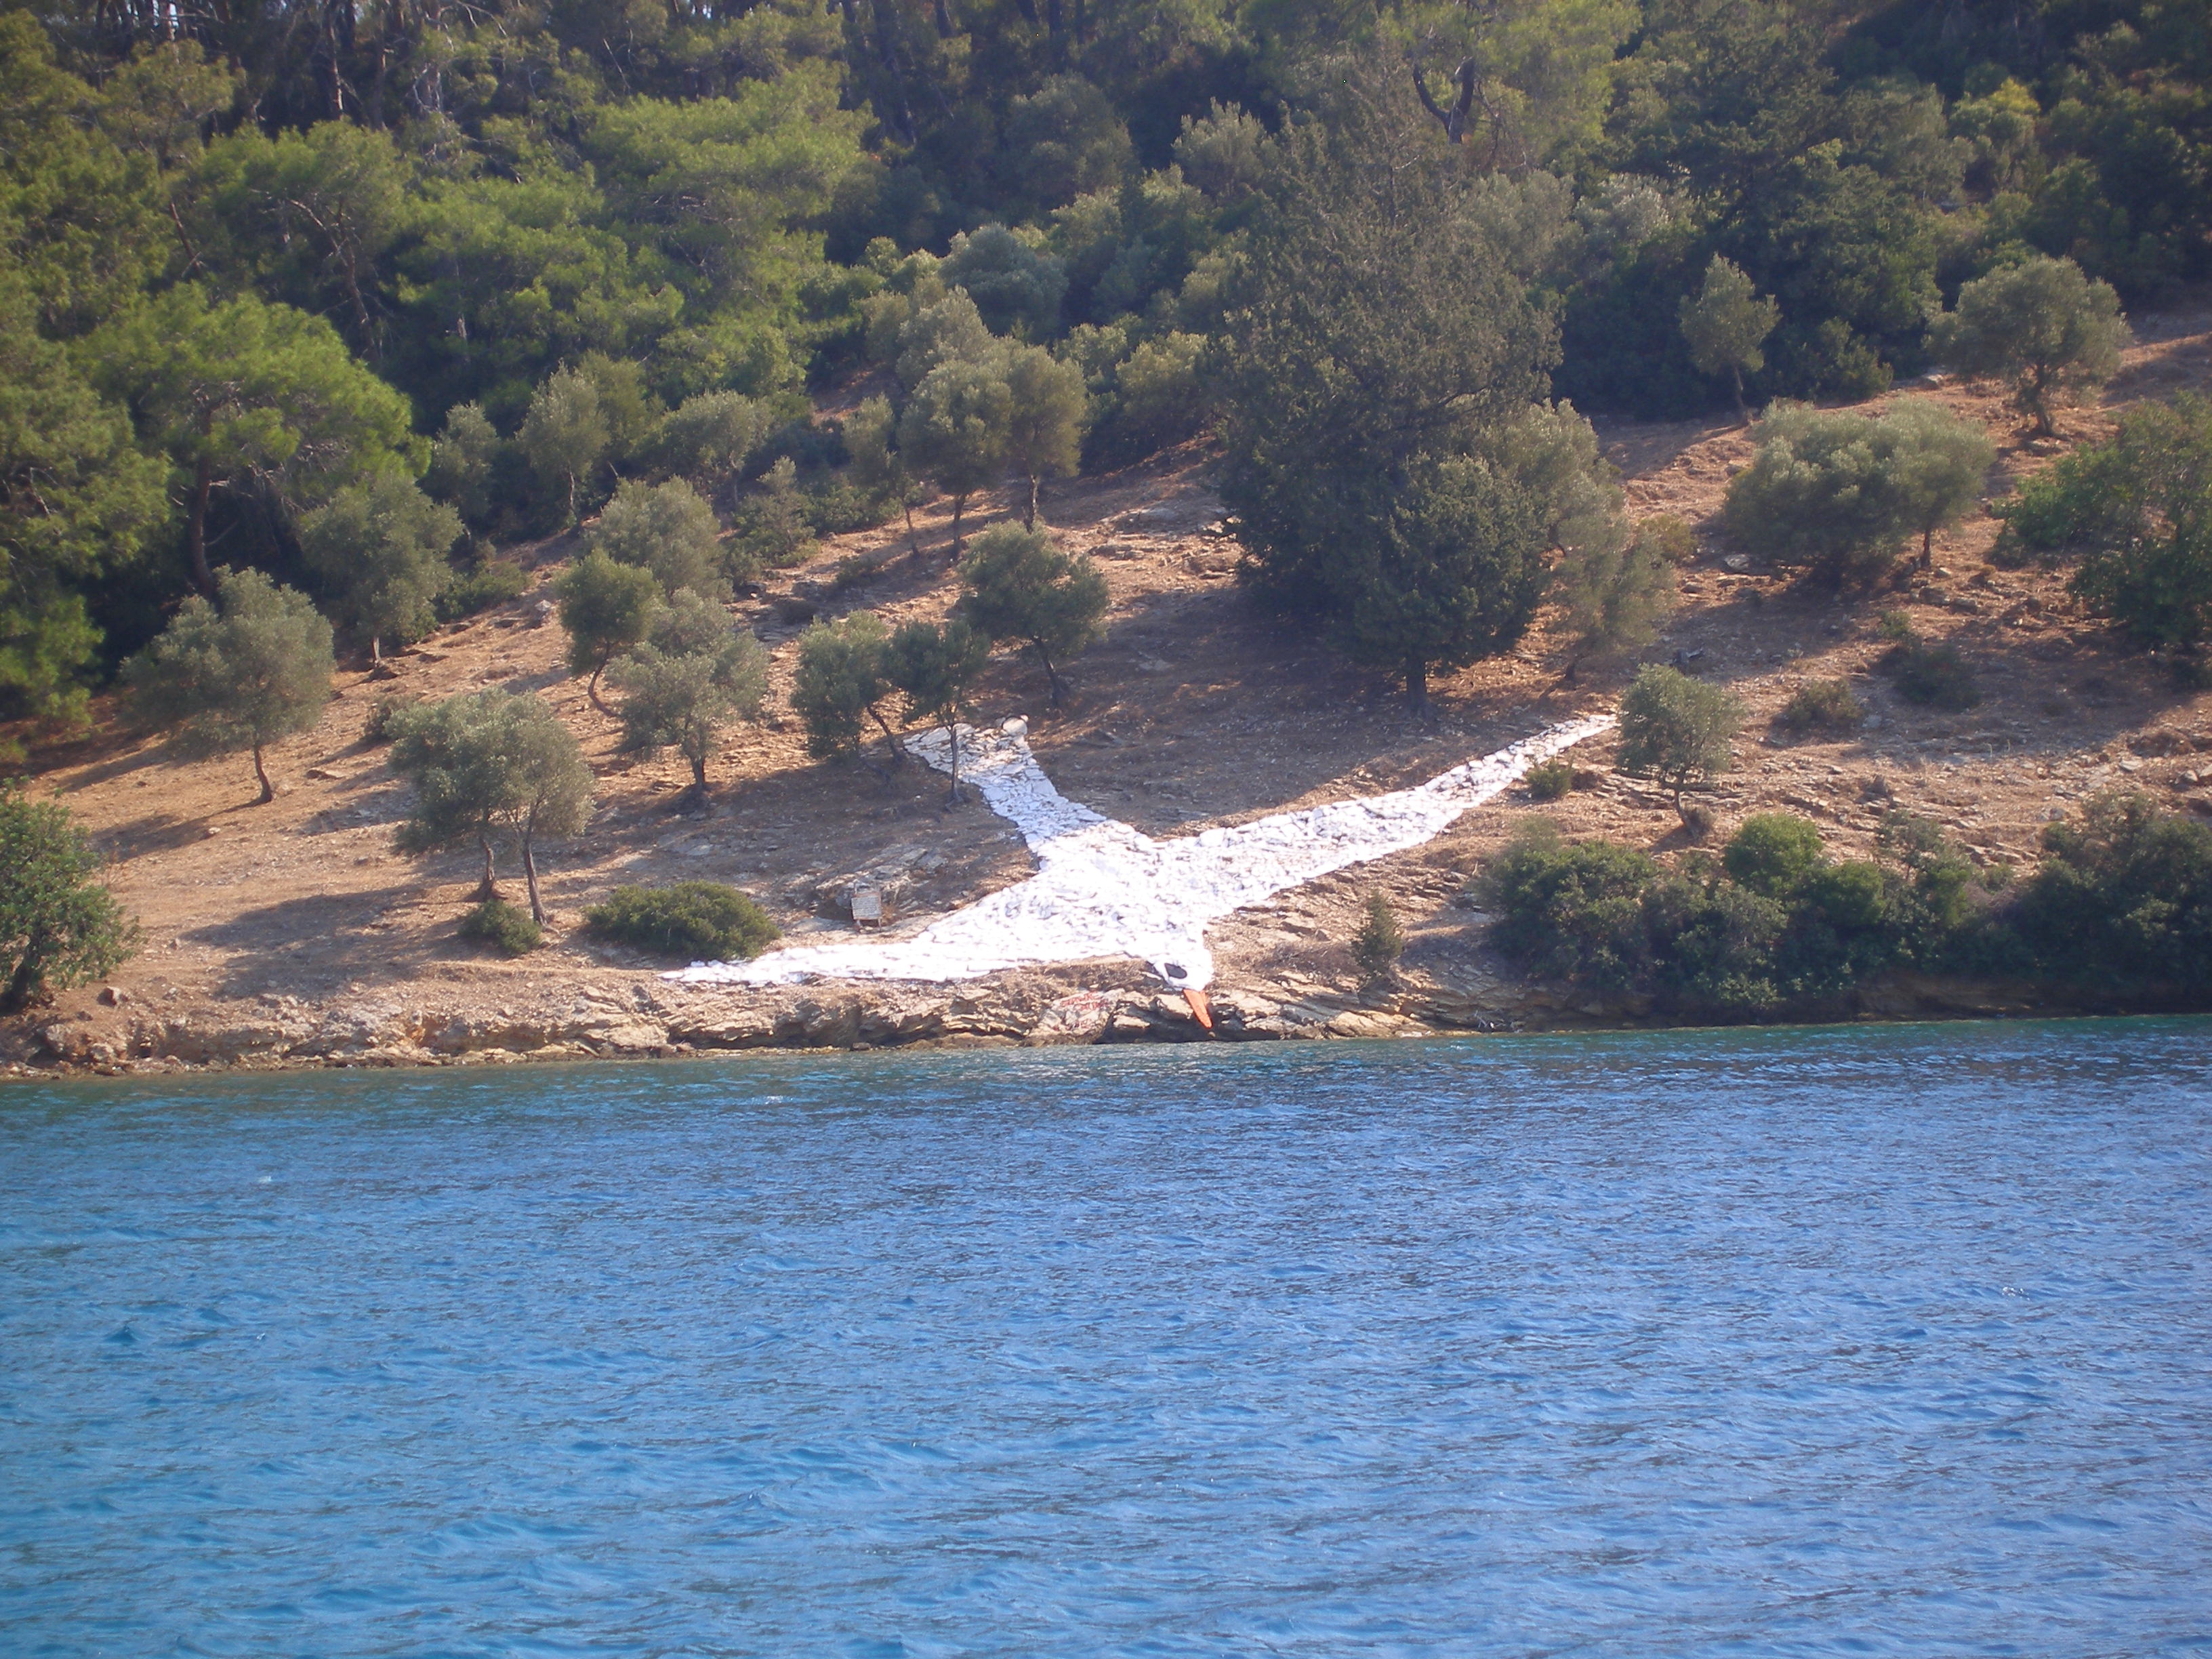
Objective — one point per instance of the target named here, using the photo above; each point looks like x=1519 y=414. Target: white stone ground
x=1102 y=890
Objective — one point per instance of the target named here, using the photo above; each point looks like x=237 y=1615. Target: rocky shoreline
x=657 y=1020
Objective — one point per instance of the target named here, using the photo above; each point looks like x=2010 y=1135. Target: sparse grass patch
x=703 y=920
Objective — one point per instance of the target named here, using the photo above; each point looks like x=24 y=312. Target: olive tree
x=1725 y=323
x=2040 y=324
x=493 y=768
x=935 y=666
x=877 y=467
x=842 y=680
x=1817 y=493
x=1677 y=730
x=380 y=549
x=606 y=608
x=565 y=434
x=1938 y=464
x=1615 y=590
x=58 y=926
x=955 y=430
x=708 y=438
x=237 y=675
x=1020 y=586
x=1047 y=410
x=666 y=528
x=680 y=690
x=1838 y=492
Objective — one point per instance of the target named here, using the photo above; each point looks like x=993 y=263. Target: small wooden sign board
x=867 y=907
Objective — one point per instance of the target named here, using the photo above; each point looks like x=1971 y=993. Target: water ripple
x=1862 y=1342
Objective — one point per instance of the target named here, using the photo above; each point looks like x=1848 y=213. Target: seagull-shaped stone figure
x=1103 y=890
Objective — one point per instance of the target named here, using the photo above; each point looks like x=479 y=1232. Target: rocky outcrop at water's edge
x=1014 y=1010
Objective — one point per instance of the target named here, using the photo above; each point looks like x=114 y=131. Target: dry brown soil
x=296 y=929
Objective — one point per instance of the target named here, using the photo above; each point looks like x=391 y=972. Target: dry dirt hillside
x=295 y=932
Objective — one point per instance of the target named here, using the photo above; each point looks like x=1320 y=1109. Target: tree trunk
x=203 y=487
x=376 y=649
x=2038 y=402
x=1928 y=547
x=268 y=789
x=591 y=688
x=1742 y=415
x=959 y=505
x=913 y=542
x=20 y=984
x=1028 y=519
x=486 y=889
x=1417 y=688
x=954 y=729
x=890 y=738
x=699 y=774
x=530 y=877
x=1051 y=674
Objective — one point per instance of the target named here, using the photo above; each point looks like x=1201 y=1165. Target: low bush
x=1896 y=627
x=1771 y=923
x=380 y=727
x=1379 y=943
x=2122 y=897
x=1823 y=706
x=1933 y=675
x=505 y=927
x=488 y=583
x=1550 y=780
x=855 y=569
x=703 y=920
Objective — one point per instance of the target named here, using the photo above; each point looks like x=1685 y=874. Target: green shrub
x=704 y=920
x=1550 y=780
x=855 y=569
x=1771 y=923
x=505 y=927
x=1933 y=675
x=58 y=927
x=1379 y=943
x=1896 y=627
x=1822 y=706
x=382 y=727
x=488 y=583
x=2122 y=897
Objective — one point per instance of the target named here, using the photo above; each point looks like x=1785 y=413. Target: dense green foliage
x=703 y=920
x=58 y=926
x=254 y=264
x=2136 y=512
x=238 y=677
x=1771 y=923
x=2121 y=904
x=2124 y=897
x=492 y=768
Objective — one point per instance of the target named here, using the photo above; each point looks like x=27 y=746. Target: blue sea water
x=1845 y=1342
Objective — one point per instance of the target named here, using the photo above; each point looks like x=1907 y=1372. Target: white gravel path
x=1102 y=890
